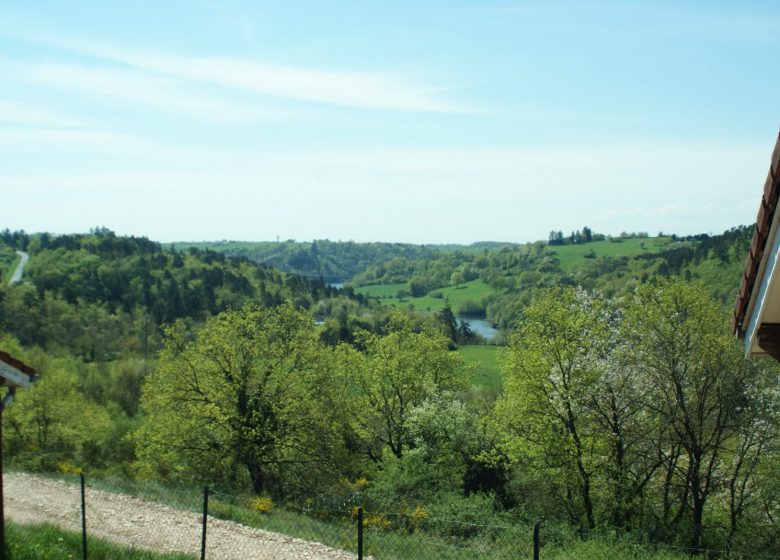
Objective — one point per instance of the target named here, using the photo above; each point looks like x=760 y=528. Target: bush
x=471 y=308
x=263 y=504
x=455 y=515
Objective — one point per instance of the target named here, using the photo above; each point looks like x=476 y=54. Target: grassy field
x=484 y=359
x=45 y=542
x=574 y=255
x=382 y=290
x=474 y=290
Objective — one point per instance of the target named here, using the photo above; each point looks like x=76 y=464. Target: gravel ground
x=133 y=522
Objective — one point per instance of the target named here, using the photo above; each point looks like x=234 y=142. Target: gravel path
x=133 y=522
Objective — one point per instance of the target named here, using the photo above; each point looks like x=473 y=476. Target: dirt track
x=137 y=523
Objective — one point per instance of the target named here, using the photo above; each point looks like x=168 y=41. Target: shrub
x=471 y=308
x=263 y=504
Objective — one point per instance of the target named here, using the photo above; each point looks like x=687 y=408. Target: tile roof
x=16 y=364
x=766 y=211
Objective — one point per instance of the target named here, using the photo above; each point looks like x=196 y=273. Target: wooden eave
x=15 y=373
x=758 y=300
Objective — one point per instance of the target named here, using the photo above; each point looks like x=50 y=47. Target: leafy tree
x=398 y=372
x=587 y=234
x=696 y=384
x=457 y=278
x=551 y=366
x=250 y=396
x=449 y=324
x=52 y=422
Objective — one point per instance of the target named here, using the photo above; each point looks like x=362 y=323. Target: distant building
x=756 y=318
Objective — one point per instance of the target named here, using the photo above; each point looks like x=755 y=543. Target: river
x=482 y=327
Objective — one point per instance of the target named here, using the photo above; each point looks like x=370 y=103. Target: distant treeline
x=334 y=261
x=96 y=293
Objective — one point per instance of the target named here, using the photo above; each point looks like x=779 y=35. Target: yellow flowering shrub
x=263 y=504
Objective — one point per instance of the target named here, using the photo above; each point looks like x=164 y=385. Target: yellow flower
x=263 y=504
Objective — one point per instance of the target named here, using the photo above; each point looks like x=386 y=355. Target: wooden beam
x=769 y=339
x=13 y=377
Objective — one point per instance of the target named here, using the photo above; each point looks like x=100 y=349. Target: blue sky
x=424 y=122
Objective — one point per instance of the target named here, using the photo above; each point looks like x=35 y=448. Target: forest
x=626 y=406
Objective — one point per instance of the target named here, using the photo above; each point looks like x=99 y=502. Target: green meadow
x=484 y=359
x=382 y=290
x=571 y=256
x=475 y=290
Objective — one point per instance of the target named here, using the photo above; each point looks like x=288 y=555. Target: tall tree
x=398 y=372
x=551 y=366
x=251 y=395
x=695 y=384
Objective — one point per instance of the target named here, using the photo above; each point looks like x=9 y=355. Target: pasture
x=571 y=256
x=484 y=359
x=435 y=300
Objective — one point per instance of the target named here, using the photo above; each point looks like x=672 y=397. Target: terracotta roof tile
x=770 y=186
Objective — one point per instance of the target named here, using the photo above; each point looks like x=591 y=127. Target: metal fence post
x=360 y=533
x=83 y=518
x=3 y=555
x=537 y=544
x=205 y=520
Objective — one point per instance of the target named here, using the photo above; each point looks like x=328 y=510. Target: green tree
x=551 y=367
x=448 y=323
x=252 y=395
x=457 y=278
x=696 y=384
x=52 y=422
x=398 y=372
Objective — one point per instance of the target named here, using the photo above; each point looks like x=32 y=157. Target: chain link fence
x=215 y=525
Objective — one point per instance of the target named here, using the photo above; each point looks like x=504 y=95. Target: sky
x=407 y=121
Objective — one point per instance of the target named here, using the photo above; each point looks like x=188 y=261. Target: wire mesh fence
x=177 y=522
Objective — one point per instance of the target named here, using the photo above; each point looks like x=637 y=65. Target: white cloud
x=20 y=113
x=358 y=89
x=140 y=88
x=353 y=89
x=40 y=140
x=48 y=142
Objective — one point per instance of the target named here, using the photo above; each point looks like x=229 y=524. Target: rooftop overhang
x=757 y=310
x=15 y=373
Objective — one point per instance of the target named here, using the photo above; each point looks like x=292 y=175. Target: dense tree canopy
x=253 y=394
x=638 y=413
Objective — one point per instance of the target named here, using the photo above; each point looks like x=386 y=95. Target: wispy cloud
x=353 y=89
x=56 y=141
x=144 y=89
x=357 y=89
x=21 y=113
